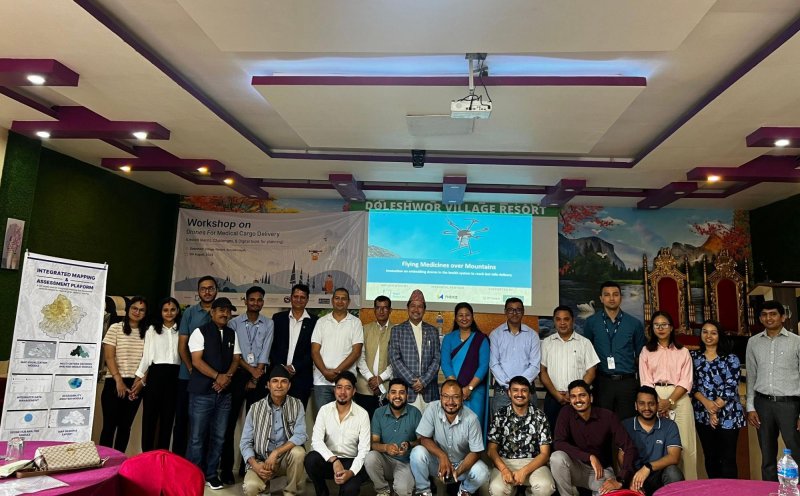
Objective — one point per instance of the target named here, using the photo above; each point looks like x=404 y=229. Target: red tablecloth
x=100 y=481
x=728 y=487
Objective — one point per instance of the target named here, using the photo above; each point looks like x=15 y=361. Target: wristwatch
x=471 y=388
x=649 y=466
x=671 y=402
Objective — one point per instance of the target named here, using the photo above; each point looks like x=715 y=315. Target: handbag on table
x=63 y=457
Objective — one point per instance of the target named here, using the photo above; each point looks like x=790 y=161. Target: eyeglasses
x=207 y=290
x=514 y=310
x=138 y=309
x=661 y=325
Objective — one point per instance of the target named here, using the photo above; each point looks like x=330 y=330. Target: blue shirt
x=254 y=337
x=714 y=379
x=512 y=355
x=652 y=445
x=396 y=430
x=194 y=316
x=621 y=338
x=277 y=437
x=458 y=439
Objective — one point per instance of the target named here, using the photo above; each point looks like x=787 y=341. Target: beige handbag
x=67 y=456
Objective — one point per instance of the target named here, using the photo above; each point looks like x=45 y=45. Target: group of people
x=382 y=415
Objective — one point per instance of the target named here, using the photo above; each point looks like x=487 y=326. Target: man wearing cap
x=414 y=352
x=215 y=357
x=272 y=439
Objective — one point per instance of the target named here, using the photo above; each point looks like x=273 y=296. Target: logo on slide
x=463 y=236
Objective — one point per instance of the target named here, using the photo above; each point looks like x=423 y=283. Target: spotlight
x=43 y=134
x=125 y=168
x=140 y=135
x=782 y=142
x=713 y=179
x=228 y=181
x=36 y=79
x=202 y=170
x=418 y=158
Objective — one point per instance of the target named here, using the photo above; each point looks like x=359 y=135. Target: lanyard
x=251 y=341
x=612 y=335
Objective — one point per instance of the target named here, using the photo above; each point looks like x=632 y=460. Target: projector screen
x=482 y=259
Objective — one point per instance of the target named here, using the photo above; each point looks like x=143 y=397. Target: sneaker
x=383 y=492
x=424 y=493
x=227 y=479
x=214 y=483
x=462 y=492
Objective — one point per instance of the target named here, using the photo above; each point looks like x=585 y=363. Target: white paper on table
x=12 y=487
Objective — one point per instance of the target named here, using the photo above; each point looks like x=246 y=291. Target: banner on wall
x=50 y=393
x=322 y=250
x=466 y=207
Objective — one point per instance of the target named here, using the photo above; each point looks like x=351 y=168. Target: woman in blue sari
x=465 y=358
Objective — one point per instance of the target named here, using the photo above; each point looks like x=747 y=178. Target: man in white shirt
x=215 y=356
x=566 y=356
x=373 y=366
x=340 y=441
x=335 y=347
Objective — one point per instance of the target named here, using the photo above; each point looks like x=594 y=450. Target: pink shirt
x=669 y=365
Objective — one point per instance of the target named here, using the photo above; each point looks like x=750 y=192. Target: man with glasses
x=515 y=350
x=618 y=338
x=373 y=366
x=193 y=317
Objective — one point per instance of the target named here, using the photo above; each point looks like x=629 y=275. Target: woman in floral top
x=718 y=411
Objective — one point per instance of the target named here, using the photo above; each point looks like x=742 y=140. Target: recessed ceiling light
x=140 y=135
x=570 y=190
x=680 y=192
x=554 y=204
x=125 y=168
x=35 y=79
x=342 y=184
x=782 y=142
x=653 y=206
x=202 y=170
x=355 y=199
x=228 y=181
x=43 y=134
x=713 y=179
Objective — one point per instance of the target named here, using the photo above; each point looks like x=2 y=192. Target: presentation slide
x=479 y=258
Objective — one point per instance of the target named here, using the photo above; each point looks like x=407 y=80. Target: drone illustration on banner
x=464 y=235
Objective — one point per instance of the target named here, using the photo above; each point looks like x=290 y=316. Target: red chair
x=157 y=473
x=726 y=287
x=668 y=289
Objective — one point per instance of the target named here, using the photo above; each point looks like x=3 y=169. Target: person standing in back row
x=618 y=338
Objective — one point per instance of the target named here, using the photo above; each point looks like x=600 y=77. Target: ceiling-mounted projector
x=474 y=109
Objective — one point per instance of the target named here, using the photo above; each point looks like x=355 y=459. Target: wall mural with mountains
x=598 y=243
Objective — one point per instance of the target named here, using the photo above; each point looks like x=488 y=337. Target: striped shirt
x=128 y=348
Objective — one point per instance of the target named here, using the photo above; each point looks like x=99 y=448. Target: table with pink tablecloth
x=726 y=487
x=98 y=481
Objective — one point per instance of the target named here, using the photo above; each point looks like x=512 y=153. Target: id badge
x=611 y=364
x=251 y=359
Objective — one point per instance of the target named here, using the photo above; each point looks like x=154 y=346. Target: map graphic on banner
x=51 y=390
x=273 y=251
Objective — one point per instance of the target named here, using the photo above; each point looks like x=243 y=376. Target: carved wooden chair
x=726 y=300
x=668 y=289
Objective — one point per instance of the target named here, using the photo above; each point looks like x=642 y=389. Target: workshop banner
x=50 y=393
x=273 y=251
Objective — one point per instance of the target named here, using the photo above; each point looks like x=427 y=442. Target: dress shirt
x=198 y=343
x=458 y=439
x=159 y=349
x=193 y=317
x=396 y=430
x=366 y=369
x=670 y=365
x=349 y=438
x=581 y=438
x=653 y=445
x=773 y=366
x=295 y=326
x=254 y=337
x=568 y=360
x=519 y=437
x=718 y=378
x=621 y=338
x=512 y=355
x=336 y=340
x=277 y=437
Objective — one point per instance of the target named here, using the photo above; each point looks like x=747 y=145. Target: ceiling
x=618 y=103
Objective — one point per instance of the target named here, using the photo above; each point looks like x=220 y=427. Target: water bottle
x=787 y=475
x=440 y=324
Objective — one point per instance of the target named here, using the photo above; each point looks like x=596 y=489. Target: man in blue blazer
x=414 y=352
x=291 y=346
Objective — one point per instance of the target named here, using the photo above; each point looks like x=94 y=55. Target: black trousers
x=551 y=410
x=368 y=402
x=776 y=417
x=319 y=470
x=158 y=413
x=616 y=394
x=180 y=432
x=118 y=415
x=239 y=396
x=719 y=448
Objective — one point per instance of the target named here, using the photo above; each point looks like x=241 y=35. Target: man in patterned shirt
x=519 y=445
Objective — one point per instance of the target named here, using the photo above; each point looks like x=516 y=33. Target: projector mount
x=472 y=106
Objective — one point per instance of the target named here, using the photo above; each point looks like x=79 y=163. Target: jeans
x=208 y=414
x=424 y=465
x=322 y=396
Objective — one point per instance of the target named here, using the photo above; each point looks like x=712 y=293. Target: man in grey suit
x=415 y=353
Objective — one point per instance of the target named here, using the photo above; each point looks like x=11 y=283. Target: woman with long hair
x=718 y=411
x=158 y=370
x=465 y=358
x=122 y=348
x=667 y=366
